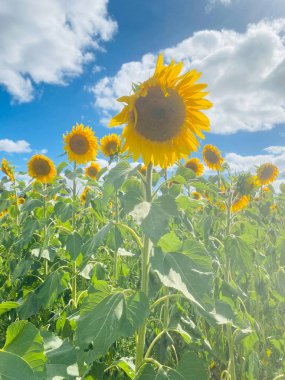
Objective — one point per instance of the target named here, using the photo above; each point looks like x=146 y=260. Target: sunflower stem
x=231 y=363
x=144 y=274
x=116 y=251
x=74 y=269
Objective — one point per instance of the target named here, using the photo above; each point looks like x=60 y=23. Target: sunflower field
x=160 y=265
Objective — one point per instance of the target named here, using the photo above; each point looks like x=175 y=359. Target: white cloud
x=212 y=3
x=240 y=163
x=275 y=149
x=48 y=41
x=245 y=73
x=10 y=146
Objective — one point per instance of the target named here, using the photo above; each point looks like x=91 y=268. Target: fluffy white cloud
x=212 y=3
x=245 y=73
x=48 y=41
x=240 y=163
x=275 y=149
x=10 y=146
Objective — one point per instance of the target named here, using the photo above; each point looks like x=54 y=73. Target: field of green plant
x=141 y=272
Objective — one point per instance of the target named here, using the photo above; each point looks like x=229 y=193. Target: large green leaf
x=74 y=245
x=100 y=327
x=191 y=367
x=180 y=271
x=61 y=358
x=24 y=340
x=239 y=252
x=163 y=373
x=136 y=313
x=116 y=177
x=50 y=289
x=8 y=305
x=96 y=241
x=12 y=367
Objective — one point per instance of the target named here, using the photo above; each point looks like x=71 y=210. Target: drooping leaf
x=74 y=245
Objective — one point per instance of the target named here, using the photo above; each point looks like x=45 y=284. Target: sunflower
x=246 y=183
x=266 y=189
x=41 y=168
x=84 y=194
x=81 y=144
x=196 y=195
x=267 y=173
x=240 y=202
x=143 y=170
x=6 y=169
x=212 y=157
x=110 y=145
x=92 y=170
x=196 y=165
x=163 y=117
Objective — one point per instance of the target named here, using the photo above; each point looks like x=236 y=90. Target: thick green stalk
x=116 y=251
x=144 y=273
x=73 y=281
x=231 y=365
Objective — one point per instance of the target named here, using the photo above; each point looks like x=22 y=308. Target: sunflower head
x=196 y=195
x=247 y=183
x=163 y=117
x=84 y=194
x=6 y=169
x=92 y=170
x=267 y=173
x=212 y=157
x=81 y=144
x=196 y=165
x=110 y=145
x=240 y=202
x=41 y=168
x=273 y=208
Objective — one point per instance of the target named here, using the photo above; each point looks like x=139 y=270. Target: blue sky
x=64 y=63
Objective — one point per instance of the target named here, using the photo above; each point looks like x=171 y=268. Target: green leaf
x=61 y=357
x=74 y=245
x=179 y=271
x=95 y=242
x=116 y=177
x=155 y=223
x=62 y=165
x=99 y=328
x=12 y=367
x=134 y=194
x=169 y=242
x=136 y=313
x=63 y=210
x=239 y=252
x=127 y=365
x=24 y=340
x=31 y=204
x=191 y=367
x=8 y=305
x=50 y=289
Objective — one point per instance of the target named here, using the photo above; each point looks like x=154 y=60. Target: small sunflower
x=196 y=165
x=41 y=168
x=273 y=207
x=246 y=183
x=163 y=117
x=267 y=173
x=6 y=169
x=92 y=170
x=196 y=195
x=266 y=189
x=212 y=157
x=240 y=202
x=81 y=144
x=84 y=194
x=110 y=145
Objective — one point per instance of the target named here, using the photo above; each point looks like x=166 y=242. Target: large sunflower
x=196 y=165
x=212 y=157
x=41 y=168
x=110 y=145
x=92 y=170
x=267 y=173
x=6 y=169
x=81 y=144
x=163 y=117
x=240 y=202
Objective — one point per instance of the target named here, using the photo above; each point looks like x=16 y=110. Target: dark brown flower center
x=92 y=172
x=192 y=166
x=79 y=144
x=41 y=167
x=267 y=172
x=211 y=156
x=112 y=147
x=159 y=117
